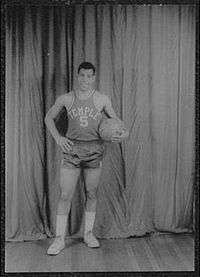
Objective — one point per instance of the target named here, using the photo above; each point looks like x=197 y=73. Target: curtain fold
x=145 y=60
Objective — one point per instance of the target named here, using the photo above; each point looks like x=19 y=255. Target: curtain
x=145 y=61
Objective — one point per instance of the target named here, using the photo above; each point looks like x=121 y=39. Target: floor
x=166 y=252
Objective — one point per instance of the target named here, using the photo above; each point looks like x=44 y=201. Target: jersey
x=83 y=119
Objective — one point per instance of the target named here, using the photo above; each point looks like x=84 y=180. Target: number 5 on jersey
x=83 y=121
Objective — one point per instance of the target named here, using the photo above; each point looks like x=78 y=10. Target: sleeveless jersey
x=83 y=119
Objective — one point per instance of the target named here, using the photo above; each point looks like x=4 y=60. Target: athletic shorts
x=84 y=154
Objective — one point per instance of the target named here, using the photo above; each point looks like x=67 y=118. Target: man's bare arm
x=51 y=115
x=108 y=108
x=64 y=143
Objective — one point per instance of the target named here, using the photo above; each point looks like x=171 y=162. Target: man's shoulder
x=66 y=97
x=101 y=96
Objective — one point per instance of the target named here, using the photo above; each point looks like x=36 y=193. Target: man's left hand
x=121 y=136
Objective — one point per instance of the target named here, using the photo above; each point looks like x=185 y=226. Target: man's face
x=86 y=78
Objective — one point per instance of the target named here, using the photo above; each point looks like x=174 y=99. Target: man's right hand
x=64 y=143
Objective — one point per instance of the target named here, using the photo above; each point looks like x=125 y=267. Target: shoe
x=90 y=240
x=57 y=246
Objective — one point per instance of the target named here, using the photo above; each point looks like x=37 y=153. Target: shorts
x=84 y=154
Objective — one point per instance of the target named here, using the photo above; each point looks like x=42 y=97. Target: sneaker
x=57 y=246
x=90 y=240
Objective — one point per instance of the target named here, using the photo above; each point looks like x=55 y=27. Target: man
x=82 y=149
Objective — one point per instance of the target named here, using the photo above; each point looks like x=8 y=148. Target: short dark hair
x=86 y=65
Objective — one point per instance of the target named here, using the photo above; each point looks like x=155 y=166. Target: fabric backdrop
x=145 y=60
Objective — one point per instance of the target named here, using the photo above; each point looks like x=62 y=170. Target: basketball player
x=82 y=149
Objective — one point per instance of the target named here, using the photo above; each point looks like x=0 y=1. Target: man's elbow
x=46 y=119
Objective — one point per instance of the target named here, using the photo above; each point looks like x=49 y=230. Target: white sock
x=61 y=222
x=89 y=221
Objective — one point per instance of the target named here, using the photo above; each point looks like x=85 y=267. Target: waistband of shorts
x=89 y=142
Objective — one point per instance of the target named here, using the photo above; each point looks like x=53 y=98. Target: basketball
x=109 y=127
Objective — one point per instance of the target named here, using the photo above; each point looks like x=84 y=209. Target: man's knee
x=66 y=195
x=91 y=192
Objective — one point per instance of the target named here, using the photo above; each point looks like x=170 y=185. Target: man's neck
x=84 y=93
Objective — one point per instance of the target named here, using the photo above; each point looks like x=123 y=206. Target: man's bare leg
x=92 y=176
x=68 y=181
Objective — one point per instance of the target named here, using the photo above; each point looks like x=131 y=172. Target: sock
x=61 y=222
x=89 y=221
